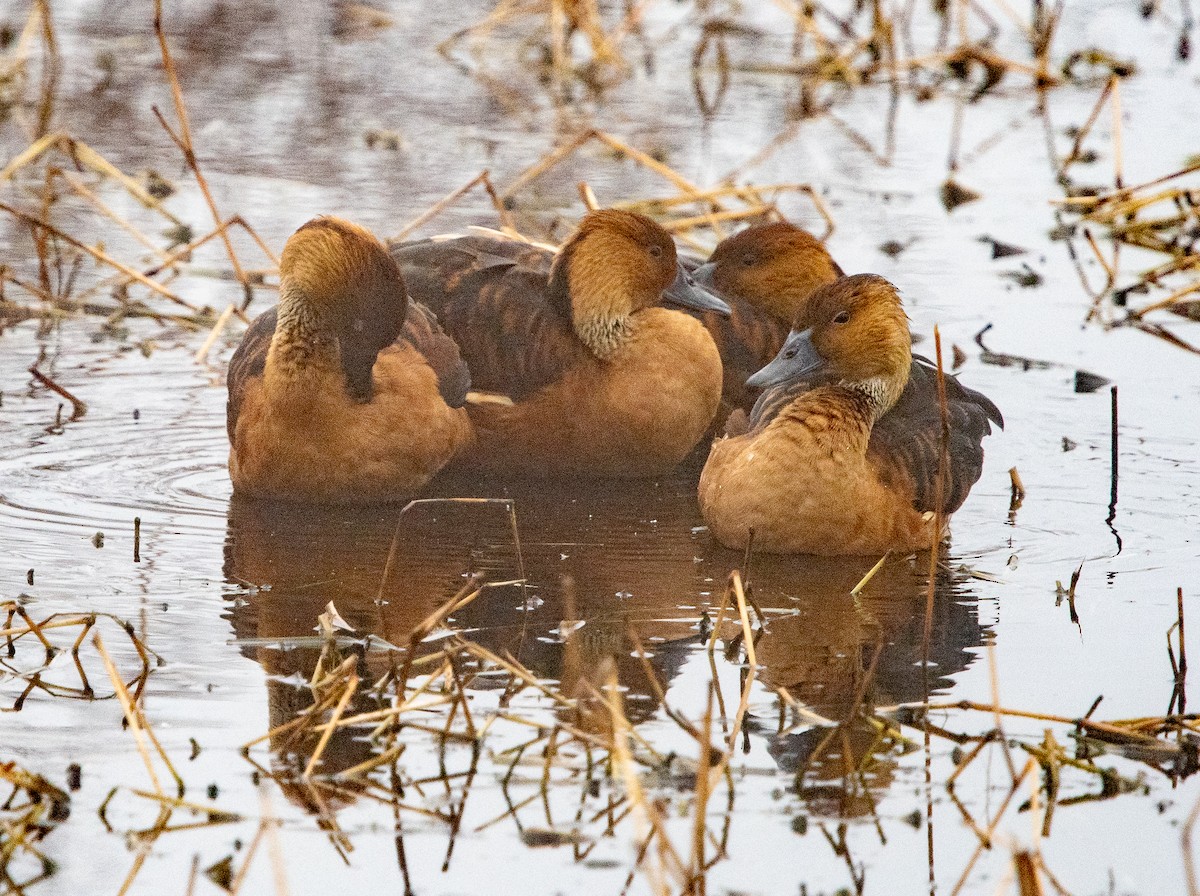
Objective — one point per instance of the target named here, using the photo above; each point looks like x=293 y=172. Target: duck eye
x=656 y=251
x=841 y=317
x=749 y=260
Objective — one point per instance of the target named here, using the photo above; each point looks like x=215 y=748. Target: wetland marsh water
x=228 y=592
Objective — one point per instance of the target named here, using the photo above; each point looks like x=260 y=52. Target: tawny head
x=775 y=267
x=615 y=264
x=340 y=277
x=853 y=331
x=338 y=285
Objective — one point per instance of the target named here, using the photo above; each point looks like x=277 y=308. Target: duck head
x=853 y=332
x=338 y=284
x=775 y=267
x=615 y=264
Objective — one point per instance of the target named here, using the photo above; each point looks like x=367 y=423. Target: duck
x=773 y=270
x=346 y=391
x=579 y=368
x=803 y=478
x=765 y=273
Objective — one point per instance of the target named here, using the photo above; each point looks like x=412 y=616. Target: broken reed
x=843 y=47
x=1160 y=216
x=20 y=629
x=583 y=740
x=865 y=44
x=33 y=809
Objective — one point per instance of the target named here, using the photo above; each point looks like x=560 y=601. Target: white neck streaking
x=879 y=392
x=302 y=331
x=604 y=335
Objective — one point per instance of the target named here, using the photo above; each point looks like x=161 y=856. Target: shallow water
x=228 y=592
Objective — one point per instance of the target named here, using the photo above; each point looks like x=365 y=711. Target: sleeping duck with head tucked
x=346 y=391
x=804 y=477
x=590 y=375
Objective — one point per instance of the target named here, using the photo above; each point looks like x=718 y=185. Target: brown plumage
x=346 y=391
x=598 y=379
x=774 y=269
x=803 y=477
x=765 y=273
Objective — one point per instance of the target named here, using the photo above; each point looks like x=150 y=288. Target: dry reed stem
x=440 y=206
x=697 y=883
x=82 y=154
x=865 y=580
x=1185 y=843
x=215 y=333
x=81 y=190
x=588 y=197
x=939 y=495
x=322 y=703
x=215 y=815
x=350 y=689
x=136 y=721
x=1086 y=129
x=184 y=141
x=646 y=812
x=143 y=852
x=274 y=849
x=657 y=690
x=1119 y=729
x=98 y=255
x=994 y=684
x=368 y=765
x=991 y=829
x=544 y=164
x=185 y=249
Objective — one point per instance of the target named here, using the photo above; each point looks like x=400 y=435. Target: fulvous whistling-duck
x=345 y=391
x=803 y=478
x=778 y=266
x=599 y=379
x=765 y=273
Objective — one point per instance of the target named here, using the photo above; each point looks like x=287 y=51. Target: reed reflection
x=607 y=566
x=842 y=655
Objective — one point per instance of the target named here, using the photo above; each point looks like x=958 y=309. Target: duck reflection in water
x=635 y=571
x=842 y=656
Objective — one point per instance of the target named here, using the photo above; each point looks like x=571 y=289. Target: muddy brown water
x=227 y=592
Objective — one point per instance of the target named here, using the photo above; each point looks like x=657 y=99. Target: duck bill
x=797 y=360
x=704 y=274
x=686 y=292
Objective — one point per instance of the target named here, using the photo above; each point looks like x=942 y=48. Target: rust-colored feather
x=421 y=331
x=841 y=454
x=766 y=273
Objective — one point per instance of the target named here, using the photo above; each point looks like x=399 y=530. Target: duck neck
x=304 y=335
x=873 y=397
x=589 y=292
x=879 y=392
x=603 y=334
x=309 y=345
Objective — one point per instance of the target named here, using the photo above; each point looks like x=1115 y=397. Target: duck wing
x=248 y=362
x=905 y=441
x=492 y=296
x=423 y=332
